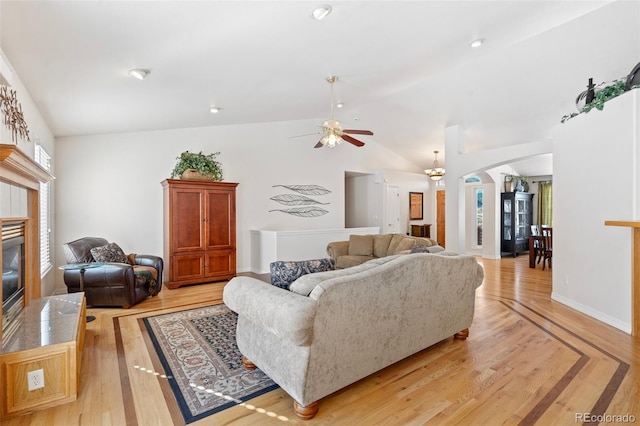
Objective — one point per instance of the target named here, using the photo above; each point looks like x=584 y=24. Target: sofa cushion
x=361 y=245
x=283 y=273
x=109 y=253
x=348 y=261
x=381 y=244
x=396 y=239
x=403 y=246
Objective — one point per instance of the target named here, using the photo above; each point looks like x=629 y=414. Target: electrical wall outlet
x=35 y=379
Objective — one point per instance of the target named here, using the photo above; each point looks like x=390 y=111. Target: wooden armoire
x=199 y=231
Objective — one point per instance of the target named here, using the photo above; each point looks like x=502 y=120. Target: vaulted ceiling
x=406 y=69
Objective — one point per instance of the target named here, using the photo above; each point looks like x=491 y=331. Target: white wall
x=361 y=203
x=109 y=185
x=591 y=261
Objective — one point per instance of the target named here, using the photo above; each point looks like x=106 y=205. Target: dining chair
x=547 y=246
x=537 y=244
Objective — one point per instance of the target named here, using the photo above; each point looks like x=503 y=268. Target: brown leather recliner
x=113 y=284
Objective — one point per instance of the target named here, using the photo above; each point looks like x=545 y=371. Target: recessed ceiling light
x=321 y=12
x=139 y=73
x=339 y=105
x=215 y=110
x=477 y=43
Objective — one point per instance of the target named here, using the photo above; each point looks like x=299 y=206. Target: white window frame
x=44 y=160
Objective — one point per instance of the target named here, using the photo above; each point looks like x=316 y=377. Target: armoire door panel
x=187 y=220
x=221 y=263
x=187 y=267
x=219 y=212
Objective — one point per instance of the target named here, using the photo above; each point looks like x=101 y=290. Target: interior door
x=392 y=224
x=440 y=218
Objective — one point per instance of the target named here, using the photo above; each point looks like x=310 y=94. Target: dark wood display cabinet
x=199 y=231
x=516 y=219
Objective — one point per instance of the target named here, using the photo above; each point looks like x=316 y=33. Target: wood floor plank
x=528 y=360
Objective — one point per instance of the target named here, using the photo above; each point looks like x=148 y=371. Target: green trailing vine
x=606 y=94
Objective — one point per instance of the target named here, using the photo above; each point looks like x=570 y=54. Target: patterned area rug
x=198 y=351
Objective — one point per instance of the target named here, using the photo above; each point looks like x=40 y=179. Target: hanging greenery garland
x=617 y=88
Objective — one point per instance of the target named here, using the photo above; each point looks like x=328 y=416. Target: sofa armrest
x=106 y=275
x=288 y=315
x=337 y=248
x=149 y=260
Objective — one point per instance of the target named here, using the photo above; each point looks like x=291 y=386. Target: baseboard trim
x=614 y=322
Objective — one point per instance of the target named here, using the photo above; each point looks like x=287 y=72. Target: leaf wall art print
x=300 y=203
x=306 y=189
x=294 y=200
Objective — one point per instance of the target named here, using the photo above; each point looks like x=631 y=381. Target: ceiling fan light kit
x=321 y=12
x=139 y=73
x=334 y=134
x=437 y=172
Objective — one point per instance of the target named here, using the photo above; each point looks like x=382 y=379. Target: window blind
x=42 y=158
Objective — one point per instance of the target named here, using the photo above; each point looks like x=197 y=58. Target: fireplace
x=20 y=175
x=13 y=275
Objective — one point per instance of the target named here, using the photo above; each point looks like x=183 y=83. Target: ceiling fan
x=334 y=134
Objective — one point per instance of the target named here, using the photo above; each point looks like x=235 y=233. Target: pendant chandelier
x=437 y=172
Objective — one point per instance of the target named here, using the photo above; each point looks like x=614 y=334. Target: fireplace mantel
x=19 y=169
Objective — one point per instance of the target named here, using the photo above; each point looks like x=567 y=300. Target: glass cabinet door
x=522 y=218
x=506 y=228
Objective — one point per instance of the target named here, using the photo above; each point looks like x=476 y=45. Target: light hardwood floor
x=528 y=360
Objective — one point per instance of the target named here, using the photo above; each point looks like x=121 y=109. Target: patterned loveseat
x=362 y=248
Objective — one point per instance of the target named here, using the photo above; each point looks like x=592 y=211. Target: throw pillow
x=419 y=248
x=361 y=245
x=283 y=273
x=109 y=253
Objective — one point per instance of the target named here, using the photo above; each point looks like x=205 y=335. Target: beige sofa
x=336 y=327
x=363 y=248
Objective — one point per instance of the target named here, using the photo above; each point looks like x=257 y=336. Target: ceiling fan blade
x=306 y=134
x=359 y=132
x=319 y=144
x=351 y=140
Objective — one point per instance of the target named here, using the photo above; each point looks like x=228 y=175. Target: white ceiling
x=405 y=69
